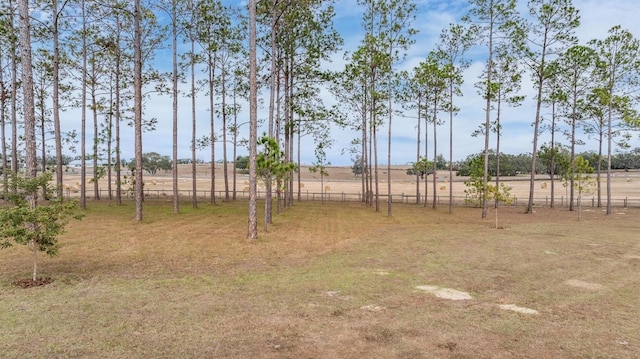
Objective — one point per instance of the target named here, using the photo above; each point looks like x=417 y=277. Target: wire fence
x=560 y=201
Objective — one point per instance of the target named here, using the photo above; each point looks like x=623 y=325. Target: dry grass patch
x=328 y=281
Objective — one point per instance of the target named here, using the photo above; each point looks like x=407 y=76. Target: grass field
x=329 y=281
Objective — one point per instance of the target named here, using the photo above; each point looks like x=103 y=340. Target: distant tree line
x=511 y=165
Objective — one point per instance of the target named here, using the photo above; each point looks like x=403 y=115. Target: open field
x=341 y=180
x=329 y=281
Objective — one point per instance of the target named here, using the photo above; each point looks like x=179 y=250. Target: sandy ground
x=342 y=180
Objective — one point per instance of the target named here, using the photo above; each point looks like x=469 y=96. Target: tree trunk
x=94 y=111
x=56 y=96
x=118 y=114
x=435 y=153
x=252 y=233
x=137 y=94
x=174 y=82
x=418 y=138
x=83 y=126
x=194 y=198
x=29 y=108
x=225 y=162
x=212 y=66
x=3 y=128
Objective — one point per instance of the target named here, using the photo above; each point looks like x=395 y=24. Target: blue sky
x=597 y=17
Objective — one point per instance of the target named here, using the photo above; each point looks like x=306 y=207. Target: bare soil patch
x=28 y=283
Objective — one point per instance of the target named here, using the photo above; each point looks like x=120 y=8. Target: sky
x=597 y=17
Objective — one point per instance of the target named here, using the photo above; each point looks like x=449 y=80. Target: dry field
x=341 y=179
x=330 y=281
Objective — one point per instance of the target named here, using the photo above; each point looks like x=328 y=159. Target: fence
x=560 y=201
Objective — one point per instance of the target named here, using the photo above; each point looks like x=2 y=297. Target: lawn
x=329 y=281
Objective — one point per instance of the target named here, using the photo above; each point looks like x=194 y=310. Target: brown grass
x=328 y=281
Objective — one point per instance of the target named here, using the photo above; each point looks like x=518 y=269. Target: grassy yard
x=329 y=281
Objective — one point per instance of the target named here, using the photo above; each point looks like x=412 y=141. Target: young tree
x=550 y=31
x=580 y=176
x=499 y=193
x=476 y=189
x=272 y=166
x=321 y=163
x=37 y=226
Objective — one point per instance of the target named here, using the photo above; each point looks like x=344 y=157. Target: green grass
x=327 y=281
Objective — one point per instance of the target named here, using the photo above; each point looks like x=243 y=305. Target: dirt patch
x=372 y=308
x=515 y=308
x=445 y=293
x=584 y=285
x=28 y=283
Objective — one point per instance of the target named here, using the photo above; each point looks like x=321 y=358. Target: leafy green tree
x=357 y=167
x=554 y=161
x=625 y=160
x=38 y=226
x=272 y=167
x=580 y=176
x=510 y=165
x=242 y=162
x=320 y=166
x=478 y=190
x=421 y=168
x=476 y=186
x=153 y=161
